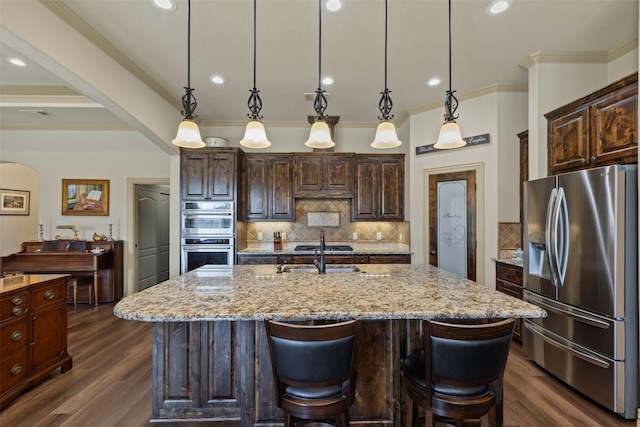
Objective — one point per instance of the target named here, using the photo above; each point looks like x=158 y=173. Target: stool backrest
x=464 y=354
x=311 y=355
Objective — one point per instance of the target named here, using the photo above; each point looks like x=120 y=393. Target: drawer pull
x=16 y=369
x=16 y=300
x=16 y=336
x=49 y=295
x=17 y=311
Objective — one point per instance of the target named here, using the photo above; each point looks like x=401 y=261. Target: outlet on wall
x=355 y=236
x=259 y=235
x=379 y=235
x=283 y=235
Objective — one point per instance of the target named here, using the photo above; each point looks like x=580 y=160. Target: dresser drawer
x=13 y=370
x=13 y=336
x=49 y=294
x=13 y=306
x=509 y=273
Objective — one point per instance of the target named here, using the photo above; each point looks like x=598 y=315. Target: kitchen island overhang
x=210 y=356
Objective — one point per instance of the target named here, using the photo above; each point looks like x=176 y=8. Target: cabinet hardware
x=16 y=369
x=16 y=336
x=17 y=310
x=49 y=295
x=16 y=300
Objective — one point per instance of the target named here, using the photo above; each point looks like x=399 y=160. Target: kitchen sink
x=330 y=268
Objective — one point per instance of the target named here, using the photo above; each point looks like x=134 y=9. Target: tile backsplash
x=509 y=238
x=334 y=217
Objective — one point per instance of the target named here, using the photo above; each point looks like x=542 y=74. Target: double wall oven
x=208 y=234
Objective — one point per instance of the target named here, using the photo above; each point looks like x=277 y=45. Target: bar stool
x=459 y=373
x=313 y=370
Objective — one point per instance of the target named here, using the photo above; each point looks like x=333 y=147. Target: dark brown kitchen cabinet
x=379 y=192
x=257 y=259
x=509 y=281
x=268 y=187
x=208 y=174
x=524 y=167
x=327 y=175
x=597 y=130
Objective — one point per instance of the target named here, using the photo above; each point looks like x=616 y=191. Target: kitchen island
x=211 y=360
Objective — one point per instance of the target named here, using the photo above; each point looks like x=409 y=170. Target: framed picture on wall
x=14 y=202
x=85 y=197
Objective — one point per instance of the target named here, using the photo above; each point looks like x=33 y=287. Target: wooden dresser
x=33 y=331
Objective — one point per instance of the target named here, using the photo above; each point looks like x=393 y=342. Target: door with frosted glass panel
x=452 y=222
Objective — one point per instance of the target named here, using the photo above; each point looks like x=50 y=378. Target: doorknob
x=433 y=252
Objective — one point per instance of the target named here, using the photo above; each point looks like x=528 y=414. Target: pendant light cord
x=386 y=104
x=254 y=42
x=189 y=45
x=450 y=46
x=450 y=102
x=385 y=44
x=320 y=102
x=189 y=102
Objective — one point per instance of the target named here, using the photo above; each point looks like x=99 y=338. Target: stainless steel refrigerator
x=581 y=265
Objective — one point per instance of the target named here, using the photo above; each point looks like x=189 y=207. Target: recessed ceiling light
x=217 y=80
x=327 y=81
x=168 y=5
x=434 y=81
x=334 y=6
x=16 y=61
x=498 y=6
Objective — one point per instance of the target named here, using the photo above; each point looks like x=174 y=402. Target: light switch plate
x=355 y=236
x=259 y=235
x=283 y=235
x=379 y=235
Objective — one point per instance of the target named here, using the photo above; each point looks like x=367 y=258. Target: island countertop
x=378 y=292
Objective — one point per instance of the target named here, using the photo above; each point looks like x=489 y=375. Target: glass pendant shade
x=320 y=136
x=188 y=135
x=255 y=136
x=450 y=136
x=386 y=136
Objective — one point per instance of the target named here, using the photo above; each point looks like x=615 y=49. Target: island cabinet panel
x=379 y=192
x=327 y=175
x=268 y=187
x=221 y=371
x=208 y=174
x=597 y=130
x=509 y=281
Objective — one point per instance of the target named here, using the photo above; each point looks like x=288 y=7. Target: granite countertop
x=518 y=262
x=379 y=292
x=353 y=252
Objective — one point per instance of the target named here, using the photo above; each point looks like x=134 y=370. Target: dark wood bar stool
x=313 y=370
x=459 y=373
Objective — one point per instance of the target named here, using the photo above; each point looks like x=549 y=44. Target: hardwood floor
x=110 y=384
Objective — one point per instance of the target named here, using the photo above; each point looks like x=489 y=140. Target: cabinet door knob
x=593 y=159
x=17 y=310
x=16 y=369
x=16 y=336
x=49 y=295
x=433 y=252
x=16 y=300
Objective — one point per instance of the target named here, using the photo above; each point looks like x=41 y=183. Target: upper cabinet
x=208 y=174
x=323 y=175
x=268 y=185
x=597 y=130
x=379 y=192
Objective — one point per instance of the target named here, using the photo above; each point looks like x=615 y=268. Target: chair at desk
x=459 y=373
x=81 y=279
x=313 y=370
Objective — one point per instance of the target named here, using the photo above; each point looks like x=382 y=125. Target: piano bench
x=77 y=281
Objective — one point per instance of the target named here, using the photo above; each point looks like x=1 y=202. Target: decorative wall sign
x=471 y=141
x=14 y=202
x=85 y=197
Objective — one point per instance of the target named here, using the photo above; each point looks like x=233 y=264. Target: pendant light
x=255 y=135
x=386 y=136
x=188 y=132
x=450 y=136
x=320 y=135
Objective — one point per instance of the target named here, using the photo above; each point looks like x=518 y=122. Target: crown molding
x=623 y=49
x=564 y=58
x=40 y=127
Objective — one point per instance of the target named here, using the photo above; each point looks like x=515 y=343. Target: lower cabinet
x=509 y=281
x=220 y=372
x=329 y=259
x=33 y=332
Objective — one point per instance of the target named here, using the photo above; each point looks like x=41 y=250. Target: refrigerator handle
x=562 y=222
x=549 y=237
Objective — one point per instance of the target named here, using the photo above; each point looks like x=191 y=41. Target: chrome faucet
x=320 y=265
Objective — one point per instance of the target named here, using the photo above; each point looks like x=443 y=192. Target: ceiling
x=487 y=50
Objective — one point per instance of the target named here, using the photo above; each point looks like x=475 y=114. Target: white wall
x=15 y=229
x=502 y=116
